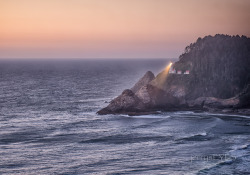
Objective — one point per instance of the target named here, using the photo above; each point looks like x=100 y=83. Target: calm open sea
x=49 y=125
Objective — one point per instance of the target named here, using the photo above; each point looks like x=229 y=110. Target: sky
x=114 y=28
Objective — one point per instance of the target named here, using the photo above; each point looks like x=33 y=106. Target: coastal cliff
x=213 y=74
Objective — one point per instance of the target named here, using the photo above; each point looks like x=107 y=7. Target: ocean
x=49 y=125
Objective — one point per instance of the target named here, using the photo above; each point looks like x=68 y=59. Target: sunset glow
x=114 y=28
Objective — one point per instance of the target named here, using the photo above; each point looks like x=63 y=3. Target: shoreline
x=245 y=112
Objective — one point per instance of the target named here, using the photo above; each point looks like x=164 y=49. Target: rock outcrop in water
x=219 y=80
x=147 y=78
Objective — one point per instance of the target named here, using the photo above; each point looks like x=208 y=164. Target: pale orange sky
x=114 y=28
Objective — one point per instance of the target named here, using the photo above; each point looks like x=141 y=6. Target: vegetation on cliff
x=219 y=66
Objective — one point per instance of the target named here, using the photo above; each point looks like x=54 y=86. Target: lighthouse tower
x=172 y=70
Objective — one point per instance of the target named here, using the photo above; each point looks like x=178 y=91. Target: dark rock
x=212 y=102
x=244 y=97
x=126 y=102
x=147 y=78
x=243 y=111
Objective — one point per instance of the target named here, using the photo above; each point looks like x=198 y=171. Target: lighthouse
x=172 y=70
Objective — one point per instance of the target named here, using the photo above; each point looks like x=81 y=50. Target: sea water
x=49 y=125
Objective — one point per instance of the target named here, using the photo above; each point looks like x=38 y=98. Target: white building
x=172 y=71
x=186 y=72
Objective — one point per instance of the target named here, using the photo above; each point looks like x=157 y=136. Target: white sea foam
x=203 y=134
x=230 y=115
x=239 y=147
x=148 y=116
x=187 y=136
x=94 y=100
x=184 y=112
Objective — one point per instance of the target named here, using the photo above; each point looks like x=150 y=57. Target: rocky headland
x=213 y=74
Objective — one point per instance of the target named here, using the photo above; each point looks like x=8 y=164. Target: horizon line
x=79 y=58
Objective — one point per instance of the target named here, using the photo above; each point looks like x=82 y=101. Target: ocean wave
x=229 y=115
x=148 y=116
x=197 y=134
x=94 y=100
x=239 y=150
x=194 y=137
x=245 y=146
x=184 y=112
x=127 y=138
x=235 y=156
x=212 y=168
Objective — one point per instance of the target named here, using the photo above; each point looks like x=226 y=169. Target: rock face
x=219 y=80
x=214 y=103
x=127 y=102
x=147 y=78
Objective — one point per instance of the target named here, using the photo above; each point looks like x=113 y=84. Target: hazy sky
x=114 y=28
